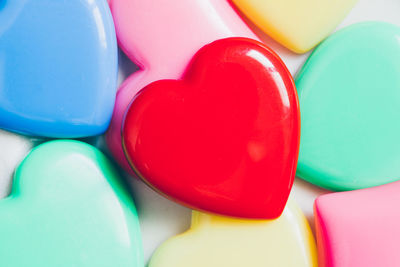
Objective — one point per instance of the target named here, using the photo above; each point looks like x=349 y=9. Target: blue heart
x=58 y=67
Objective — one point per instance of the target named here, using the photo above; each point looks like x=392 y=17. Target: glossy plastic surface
x=161 y=36
x=298 y=25
x=349 y=91
x=359 y=228
x=220 y=241
x=68 y=208
x=58 y=67
x=225 y=138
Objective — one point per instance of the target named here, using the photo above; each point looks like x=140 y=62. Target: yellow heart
x=215 y=241
x=297 y=24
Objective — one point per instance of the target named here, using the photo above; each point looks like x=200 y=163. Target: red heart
x=225 y=138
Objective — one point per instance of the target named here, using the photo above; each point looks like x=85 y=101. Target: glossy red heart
x=223 y=139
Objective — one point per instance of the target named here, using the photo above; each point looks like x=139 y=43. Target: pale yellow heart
x=297 y=24
x=215 y=241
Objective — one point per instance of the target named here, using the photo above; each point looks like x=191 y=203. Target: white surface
x=13 y=149
x=159 y=217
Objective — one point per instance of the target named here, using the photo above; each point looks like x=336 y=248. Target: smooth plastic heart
x=215 y=241
x=58 y=67
x=349 y=92
x=67 y=208
x=359 y=228
x=298 y=25
x=225 y=138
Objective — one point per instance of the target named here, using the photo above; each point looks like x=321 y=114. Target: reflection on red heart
x=225 y=138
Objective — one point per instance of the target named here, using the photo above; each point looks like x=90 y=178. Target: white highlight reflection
x=275 y=75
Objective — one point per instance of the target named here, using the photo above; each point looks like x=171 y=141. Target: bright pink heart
x=359 y=228
x=225 y=138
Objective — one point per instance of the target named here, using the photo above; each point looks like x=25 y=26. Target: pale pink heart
x=161 y=36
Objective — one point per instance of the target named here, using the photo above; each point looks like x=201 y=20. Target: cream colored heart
x=297 y=24
x=215 y=241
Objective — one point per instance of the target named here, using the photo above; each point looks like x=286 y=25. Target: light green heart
x=349 y=92
x=68 y=207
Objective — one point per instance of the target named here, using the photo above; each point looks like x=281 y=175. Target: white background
x=161 y=218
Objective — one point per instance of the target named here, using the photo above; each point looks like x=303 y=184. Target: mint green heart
x=68 y=207
x=349 y=93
